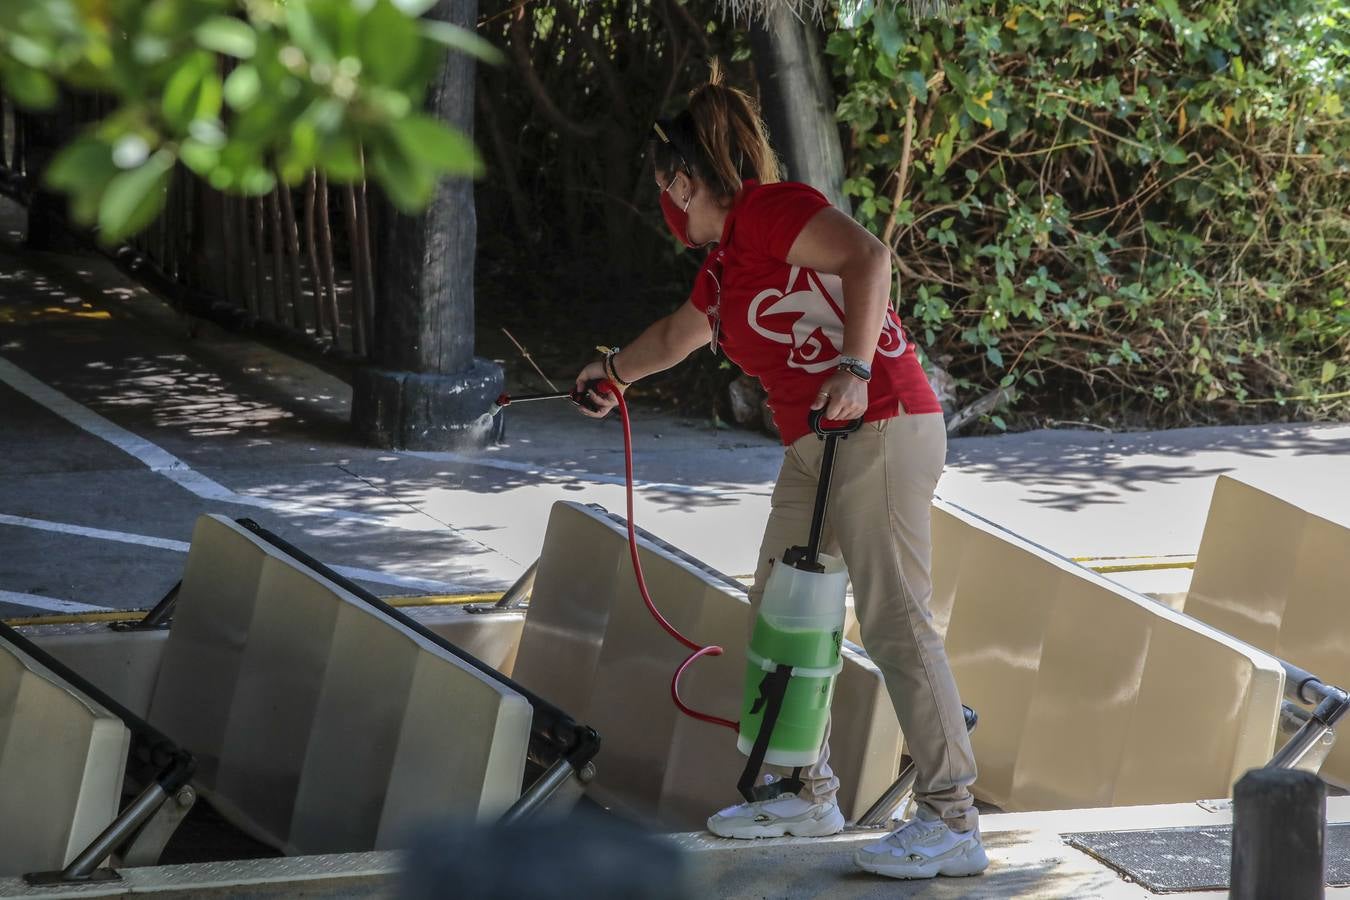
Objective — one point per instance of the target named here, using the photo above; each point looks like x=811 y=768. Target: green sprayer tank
x=801 y=625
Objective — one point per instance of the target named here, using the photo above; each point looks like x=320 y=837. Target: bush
x=1140 y=214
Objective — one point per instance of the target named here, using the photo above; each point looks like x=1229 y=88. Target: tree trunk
x=425 y=389
x=798 y=102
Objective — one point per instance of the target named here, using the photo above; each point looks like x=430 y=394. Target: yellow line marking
x=115 y=615
x=1143 y=567
x=442 y=599
x=133 y=615
x=1083 y=559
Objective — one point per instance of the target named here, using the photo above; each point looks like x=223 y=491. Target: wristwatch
x=855 y=367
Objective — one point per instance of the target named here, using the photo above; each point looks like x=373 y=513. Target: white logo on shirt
x=816 y=330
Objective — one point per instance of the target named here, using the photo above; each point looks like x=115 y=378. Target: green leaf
x=956 y=78
x=72 y=169
x=432 y=142
x=407 y=182
x=885 y=66
x=994 y=355
x=228 y=36
x=134 y=198
x=840 y=43
x=1174 y=155
x=28 y=51
x=1328 y=371
x=255 y=181
x=305 y=33
x=999 y=423
x=192 y=92
x=28 y=87
x=82 y=170
x=340 y=159
x=918 y=85
x=242 y=87
x=887 y=30
x=463 y=41
x=200 y=157
x=389 y=43
x=942 y=152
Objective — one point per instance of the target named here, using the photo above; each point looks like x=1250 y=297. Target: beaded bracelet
x=611 y=371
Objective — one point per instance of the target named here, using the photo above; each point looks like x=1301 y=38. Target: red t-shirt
x=785 y=324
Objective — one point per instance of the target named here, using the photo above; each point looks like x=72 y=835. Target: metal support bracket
x=147 y=844
x=517 y=596
x=557 y=790
x=159 y=618
x=1312 y=742
x=878 y=815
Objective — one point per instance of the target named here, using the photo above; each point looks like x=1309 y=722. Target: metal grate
x=1190 y=859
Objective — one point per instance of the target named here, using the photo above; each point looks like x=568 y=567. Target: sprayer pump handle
x=816 y=418
x=599 y=385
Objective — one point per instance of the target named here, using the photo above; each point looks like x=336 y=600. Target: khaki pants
x=878 y=520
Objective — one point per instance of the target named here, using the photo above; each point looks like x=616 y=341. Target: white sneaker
x=783 y=815
x=923 y=848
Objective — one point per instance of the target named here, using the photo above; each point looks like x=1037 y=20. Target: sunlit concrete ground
x=117 y=431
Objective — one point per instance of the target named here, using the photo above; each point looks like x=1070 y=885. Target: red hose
x=698 y=651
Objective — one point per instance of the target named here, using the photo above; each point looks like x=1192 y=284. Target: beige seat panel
x=1242 y=579
x=201 y=662
x=1275 y=574
x=579 y=569
x=343 y=728
x=630 y=701
x=654 y=760
x=468 y=764
x=1000 y=596
x=1090 y=694
x=62 y=760
x=1092 y=660
x=282 y=672
x=1189 y=742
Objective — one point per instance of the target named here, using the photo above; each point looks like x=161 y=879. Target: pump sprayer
x=794 y=653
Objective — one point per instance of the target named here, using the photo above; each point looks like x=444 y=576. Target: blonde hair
x=721 y=136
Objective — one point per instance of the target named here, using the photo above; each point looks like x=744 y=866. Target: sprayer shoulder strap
x=772 y=689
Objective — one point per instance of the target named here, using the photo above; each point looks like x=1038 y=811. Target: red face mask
x=677 y=220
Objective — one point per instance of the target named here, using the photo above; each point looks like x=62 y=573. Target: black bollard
x=1279 y=836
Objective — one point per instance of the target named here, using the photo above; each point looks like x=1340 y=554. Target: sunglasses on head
x=662 y=128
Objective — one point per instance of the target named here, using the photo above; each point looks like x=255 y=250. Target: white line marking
x=162 y=462
x=372 y=575
x=155 y=458
x=48 y=604
x=100 y=534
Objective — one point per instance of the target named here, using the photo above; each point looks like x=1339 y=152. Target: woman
x=796 y=293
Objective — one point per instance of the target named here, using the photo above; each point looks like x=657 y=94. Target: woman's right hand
x=603 y=402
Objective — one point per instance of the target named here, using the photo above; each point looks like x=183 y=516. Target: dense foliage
x=242 y=93
x=572 y=248
x=1141 y=213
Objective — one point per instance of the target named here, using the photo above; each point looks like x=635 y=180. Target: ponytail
x=721 y=137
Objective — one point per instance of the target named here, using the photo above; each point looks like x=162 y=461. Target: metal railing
x=295 y=265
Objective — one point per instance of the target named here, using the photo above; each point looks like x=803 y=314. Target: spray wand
x=577 y=397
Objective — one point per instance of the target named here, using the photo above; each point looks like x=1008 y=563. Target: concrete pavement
x=117 y=431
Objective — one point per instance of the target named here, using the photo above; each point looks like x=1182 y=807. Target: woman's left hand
x=843 y=397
